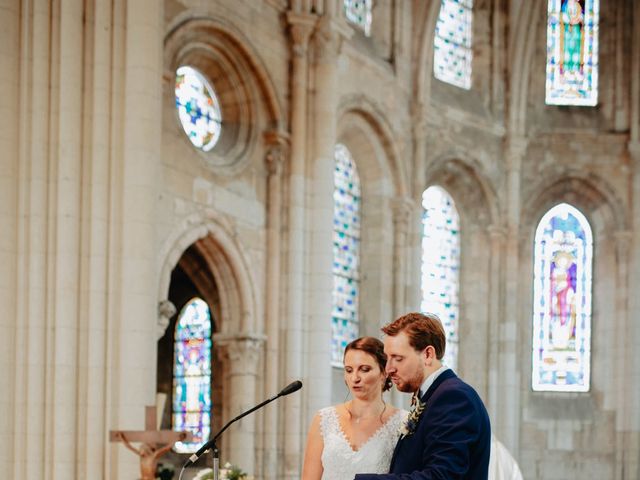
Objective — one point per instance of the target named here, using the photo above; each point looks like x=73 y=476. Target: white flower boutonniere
x=411 y=423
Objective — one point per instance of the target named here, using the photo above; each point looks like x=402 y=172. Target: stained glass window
x=192 y=375
x=452 y=54
x=441 y=264
x=563 y=254
x=346 y=251
x=358 y=12
x=198 y=108
x=572 y=52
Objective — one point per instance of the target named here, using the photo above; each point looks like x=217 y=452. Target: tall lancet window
x=452 y=53
x=563 y=257
x=572 y=52
x=192 y=375
x=441 y=264
x=358 y=12
x=346 y=253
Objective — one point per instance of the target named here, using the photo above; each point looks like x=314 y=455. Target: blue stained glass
x=441 y=264
x=358 y=12
x=192 y=375
x=198 y=108
x=346 y=253
x=572 y=52
x=452 y=52
x=563 y=256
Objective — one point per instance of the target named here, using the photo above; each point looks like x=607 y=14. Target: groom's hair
x=423 y=329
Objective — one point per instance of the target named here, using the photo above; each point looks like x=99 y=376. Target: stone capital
x=240 y=352
x=403 y=209
x=301 y=25
x=328 y=37
x=622 y=240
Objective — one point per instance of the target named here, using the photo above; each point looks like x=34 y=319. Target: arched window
x=572 y=52
x=441 y=264
x=192 y=375
x=562 y=301
x=346 y=253
x=452 y=54
x=358 y=12
x=198 y=108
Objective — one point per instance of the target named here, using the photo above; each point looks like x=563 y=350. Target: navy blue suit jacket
x=452 y=439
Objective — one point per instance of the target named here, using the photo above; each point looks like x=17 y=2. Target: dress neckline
x=334 y=411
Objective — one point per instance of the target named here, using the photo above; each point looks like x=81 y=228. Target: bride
x=358 y=436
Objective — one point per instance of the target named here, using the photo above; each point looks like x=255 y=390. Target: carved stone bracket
x=277 y=151
x=166 y=310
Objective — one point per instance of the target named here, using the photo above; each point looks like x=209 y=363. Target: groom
x=447 y=434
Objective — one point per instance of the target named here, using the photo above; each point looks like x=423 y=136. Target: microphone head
x=292 y=387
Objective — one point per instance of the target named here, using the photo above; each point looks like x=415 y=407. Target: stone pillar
x=300 y=28
x=274 y=160
x=632 y=447
x=496 y=238
x=138 y=30
x=509 y=395
x=327 y=40
x=12 y=117
x=240 y=355
x=403 y=213
x=419 y=130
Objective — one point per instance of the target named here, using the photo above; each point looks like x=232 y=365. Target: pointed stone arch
x=212 y=238
x=476 y=201
x=366 y=131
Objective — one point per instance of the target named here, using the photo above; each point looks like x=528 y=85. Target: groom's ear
x=429 y=354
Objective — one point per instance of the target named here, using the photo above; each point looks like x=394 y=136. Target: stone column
x=240 y=355
x=132 y=345
x=327 y=40
x=632 y=394
x=496 y=238
x=300 y=28
x=419 y=130
x=274 y=160
x=509 y=395
x=404 y=212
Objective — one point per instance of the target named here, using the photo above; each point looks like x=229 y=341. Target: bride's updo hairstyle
x=375 y=348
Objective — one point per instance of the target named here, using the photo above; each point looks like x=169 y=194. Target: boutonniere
x=411 y=423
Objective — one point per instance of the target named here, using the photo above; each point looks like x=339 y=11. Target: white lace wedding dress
x=341 y=462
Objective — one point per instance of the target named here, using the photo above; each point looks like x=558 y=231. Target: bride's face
x=363 y=375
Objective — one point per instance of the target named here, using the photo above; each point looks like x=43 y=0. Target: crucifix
x=154 y=443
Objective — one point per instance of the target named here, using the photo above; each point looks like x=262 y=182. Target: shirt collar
x=430 y=379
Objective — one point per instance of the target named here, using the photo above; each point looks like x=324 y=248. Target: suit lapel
x=447 y=374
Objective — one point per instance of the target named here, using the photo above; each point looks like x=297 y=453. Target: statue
x=149 y=438
x=148 y=455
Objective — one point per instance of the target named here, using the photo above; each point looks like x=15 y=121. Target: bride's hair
x=375 y=348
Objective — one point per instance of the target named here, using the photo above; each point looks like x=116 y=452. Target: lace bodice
x=341 y=462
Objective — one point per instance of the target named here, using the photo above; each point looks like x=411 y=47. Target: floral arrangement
x=228 y=472
x=411 y=423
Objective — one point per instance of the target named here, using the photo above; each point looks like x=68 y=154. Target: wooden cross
x=155 y=443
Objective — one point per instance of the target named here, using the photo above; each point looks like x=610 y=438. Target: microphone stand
x=216 y=461
x=211 y=444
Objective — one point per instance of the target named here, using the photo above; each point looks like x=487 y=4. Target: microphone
x=292 y=387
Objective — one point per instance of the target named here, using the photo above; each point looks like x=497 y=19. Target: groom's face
x=405 y=365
